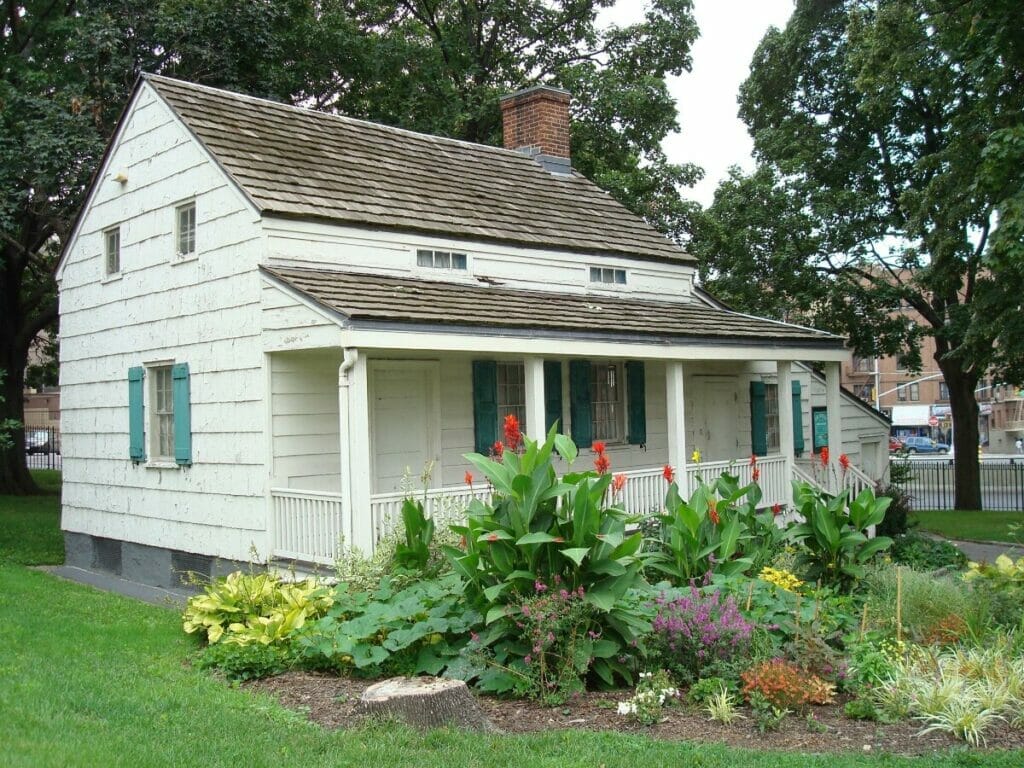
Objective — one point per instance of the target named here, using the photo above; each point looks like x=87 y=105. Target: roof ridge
x=148 y=76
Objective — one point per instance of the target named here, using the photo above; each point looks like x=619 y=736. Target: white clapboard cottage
x=269 y=315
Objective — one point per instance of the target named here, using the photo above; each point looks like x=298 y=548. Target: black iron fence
x=932 y=484
x=42 y=447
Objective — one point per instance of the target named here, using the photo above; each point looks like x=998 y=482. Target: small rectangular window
x=901 y=392
x=771 y=416
x=112 y=250
x=441 y=259
x=943 y=391
x=186 y=229
x=511 y=392
x=607 y=276
x=606 y=398
x=915 y=392
x=161 y=398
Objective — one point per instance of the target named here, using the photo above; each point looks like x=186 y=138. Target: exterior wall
x=865 y=437
x=204 y=311
x=304 y=421
x=324 y=246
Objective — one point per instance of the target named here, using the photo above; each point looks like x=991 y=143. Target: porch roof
x=374 y=301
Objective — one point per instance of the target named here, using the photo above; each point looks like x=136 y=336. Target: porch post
x=534 y=374
x=356 y=444
x=784 y=374
x=675 y=405
x=832 y=409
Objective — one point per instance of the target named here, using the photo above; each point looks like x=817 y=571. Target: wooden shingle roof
x=302 y=163
x=407 y=301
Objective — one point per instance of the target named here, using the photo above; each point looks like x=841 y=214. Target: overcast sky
x=711 y=135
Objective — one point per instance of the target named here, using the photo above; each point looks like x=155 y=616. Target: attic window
x=185 y=229
x=440 y=259
x=607 y=275
x=112 y=250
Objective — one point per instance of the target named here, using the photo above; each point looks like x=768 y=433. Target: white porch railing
x=446 y=505
x=308 y=525
x=852 y=478
x=773 y=480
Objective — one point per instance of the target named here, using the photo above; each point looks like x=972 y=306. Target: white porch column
x=675 y=404
x=832 y=409
x=534 y=370
x=354 y=425
x=784 y=374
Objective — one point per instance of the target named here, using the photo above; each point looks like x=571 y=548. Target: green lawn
x=93 y=679
x=968 y=525
x=30 y=525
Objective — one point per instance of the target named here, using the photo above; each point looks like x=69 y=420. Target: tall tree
x=887 y=123
x=431 y=65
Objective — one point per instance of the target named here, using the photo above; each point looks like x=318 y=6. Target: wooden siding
x=204 y=311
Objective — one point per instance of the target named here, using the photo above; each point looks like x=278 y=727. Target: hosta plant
x=543 y=529
x=833 y=536
x=254 y=608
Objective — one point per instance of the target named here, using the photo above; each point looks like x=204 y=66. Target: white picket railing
x=773 y=479
x=308 y=525
x=446 y=505
x=834 y=479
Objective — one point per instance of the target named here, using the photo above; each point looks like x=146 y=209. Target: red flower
x=753 y=459
x=668 y=473
x=776 y=510
x=618 y=482
x=713 y=513
x=469 y=478
x=598 y=446
x=513 y=437
x=756 y=474
x=824 y=456
x=498 y=449
x=602 y=463
x=492 y=537
x=844 y=461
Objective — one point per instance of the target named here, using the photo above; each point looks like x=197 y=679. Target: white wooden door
x=718 y=419
x=405 y=421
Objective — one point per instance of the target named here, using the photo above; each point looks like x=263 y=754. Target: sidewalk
x=987 y=551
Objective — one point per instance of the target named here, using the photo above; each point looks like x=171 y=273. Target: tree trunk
x=15 y=478
x=425 y=703
x=964 y=407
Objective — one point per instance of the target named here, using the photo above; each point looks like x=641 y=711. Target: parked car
x=37 y=441
x=896 y=445
x=918 y=444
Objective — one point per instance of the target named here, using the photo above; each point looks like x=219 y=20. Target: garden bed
x=330 y=701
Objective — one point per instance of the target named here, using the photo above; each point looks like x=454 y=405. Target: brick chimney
x=536 y=123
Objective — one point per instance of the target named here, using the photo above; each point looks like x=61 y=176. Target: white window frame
x=616 y=419
x=159 y=408
x=607 y=277
x=112 y=251
x=915 y=392
x=188 y=235
x=511 y=382
x=443 y=260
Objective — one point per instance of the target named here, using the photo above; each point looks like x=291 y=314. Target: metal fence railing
x=42 y=447
x=932 y=483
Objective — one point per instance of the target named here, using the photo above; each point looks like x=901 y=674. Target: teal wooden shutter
x=637 y=408
x=136 y=421
x=182 y=414
x=552 y=393
x=579 y=403
x=485 y=405
x=758 y=420
x=798 y=420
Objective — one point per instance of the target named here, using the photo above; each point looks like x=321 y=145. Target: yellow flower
x=780 y=578
x=695 y=456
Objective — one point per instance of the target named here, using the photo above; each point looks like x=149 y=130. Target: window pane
x=424 y=258
x=771 y=415
x=113 y=251
x=162 y=422
x=458 y=261
x=595 y=274
x=606 y=401
x=620 y=276
x=187 y=229
x=442 y=259
x=607 y=275
x=511 y=393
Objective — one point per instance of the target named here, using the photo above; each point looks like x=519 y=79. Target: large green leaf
x=576 y=554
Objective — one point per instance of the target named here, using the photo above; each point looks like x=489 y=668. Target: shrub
x=706 y=687
x=654 y=691
x=248 y=608
x=782 y=684
x=245 y=662
x=693 y=631
x=896 y=520
x=923 y=553
x=543 y=529
x=833 y=537
x=926 y=600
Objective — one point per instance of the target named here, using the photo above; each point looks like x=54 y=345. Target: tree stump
x=424 y=703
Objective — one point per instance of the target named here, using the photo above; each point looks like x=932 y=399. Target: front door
x=405 y=424
x=715 y=405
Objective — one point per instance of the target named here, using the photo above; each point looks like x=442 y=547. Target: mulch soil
x=330 y=701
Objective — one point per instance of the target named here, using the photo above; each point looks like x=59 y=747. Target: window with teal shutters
x=182 y=414
x=758 y=420
x=579 y=402
x=136 y=418
x=798 y=420
x=637 y=408
x=485 y=405
x=552 y=394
